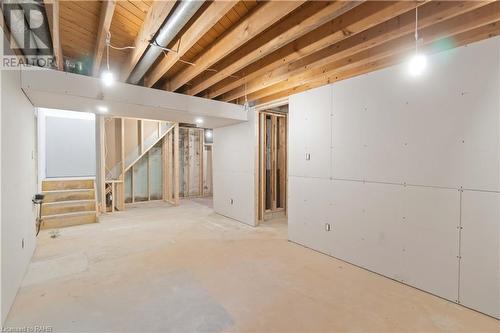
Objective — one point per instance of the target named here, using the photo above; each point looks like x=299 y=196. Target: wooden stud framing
x=176 y=164
x=102 y=168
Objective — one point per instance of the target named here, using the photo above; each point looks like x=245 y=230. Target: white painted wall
x=398 y=164
x=234 y=154
x=18 y=185
x=67 y=145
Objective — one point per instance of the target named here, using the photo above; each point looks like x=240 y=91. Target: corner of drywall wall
x=2 y=317
x=234 y=171
x=18 y=185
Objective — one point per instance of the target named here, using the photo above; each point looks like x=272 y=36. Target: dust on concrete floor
x=155 y=268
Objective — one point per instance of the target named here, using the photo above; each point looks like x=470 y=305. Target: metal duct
x=182 y=14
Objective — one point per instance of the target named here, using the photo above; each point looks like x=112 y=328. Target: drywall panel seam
x=395 y=183
x=459 y=256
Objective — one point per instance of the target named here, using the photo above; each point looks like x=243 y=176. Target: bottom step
x=68 y=220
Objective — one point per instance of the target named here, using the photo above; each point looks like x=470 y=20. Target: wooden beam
x=360 y=18
x=157 y=14
x=471 y=36
x=107 y=11
x=52 y=10
x=429 y=14
x=457 y=25
x=212 y=15
x=257 y=21
x=305 y=19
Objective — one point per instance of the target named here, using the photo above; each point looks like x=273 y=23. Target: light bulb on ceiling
x=418 y=61
x=417 y=64
x=107 y=78
x=102 y=109
x=198 y=121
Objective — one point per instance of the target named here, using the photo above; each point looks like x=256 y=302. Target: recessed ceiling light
x=102 y=108
x=198 y=121
x=107 y=78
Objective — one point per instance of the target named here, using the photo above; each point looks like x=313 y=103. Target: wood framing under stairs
x=68 y=202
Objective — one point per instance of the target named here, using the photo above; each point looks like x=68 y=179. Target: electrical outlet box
x=328 y=227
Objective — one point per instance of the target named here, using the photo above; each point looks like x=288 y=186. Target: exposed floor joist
x=355 y=21
x=370 y=60
x=313 y=65
x=107 y=11
x=303 y=20
x=260 y=19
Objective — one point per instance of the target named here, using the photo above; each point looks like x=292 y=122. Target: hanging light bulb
x=418 y=61
x=417 y=64
x=107 y=78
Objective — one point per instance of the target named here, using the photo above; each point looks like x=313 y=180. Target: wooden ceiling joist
x=106 y=16
x=305 y=19
x=264 y=16
x=216 y=10
x=455 y=26
x=429 y=14
x=358 y=19
x=156 y=15
x=471 y=36
x=52 y=10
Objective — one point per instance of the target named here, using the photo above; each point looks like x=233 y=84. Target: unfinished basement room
x=265 y=166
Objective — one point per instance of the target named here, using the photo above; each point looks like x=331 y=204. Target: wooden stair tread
x=54 y=203
x=69 y=184
x=71 y=214
x=70 y=190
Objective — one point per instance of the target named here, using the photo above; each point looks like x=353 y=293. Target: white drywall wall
x=66 y=144
x=18 y=185
x=234 y=170
x=69 y=146
x=67 y=91
x=397 y=164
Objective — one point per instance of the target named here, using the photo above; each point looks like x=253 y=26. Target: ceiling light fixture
x=198 y=121
x=107 y=78
x=418 y=61
x=102 y=108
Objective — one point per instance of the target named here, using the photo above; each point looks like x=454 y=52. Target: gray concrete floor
x=155 y=268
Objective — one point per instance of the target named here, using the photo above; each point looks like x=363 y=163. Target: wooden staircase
x=68 y=202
